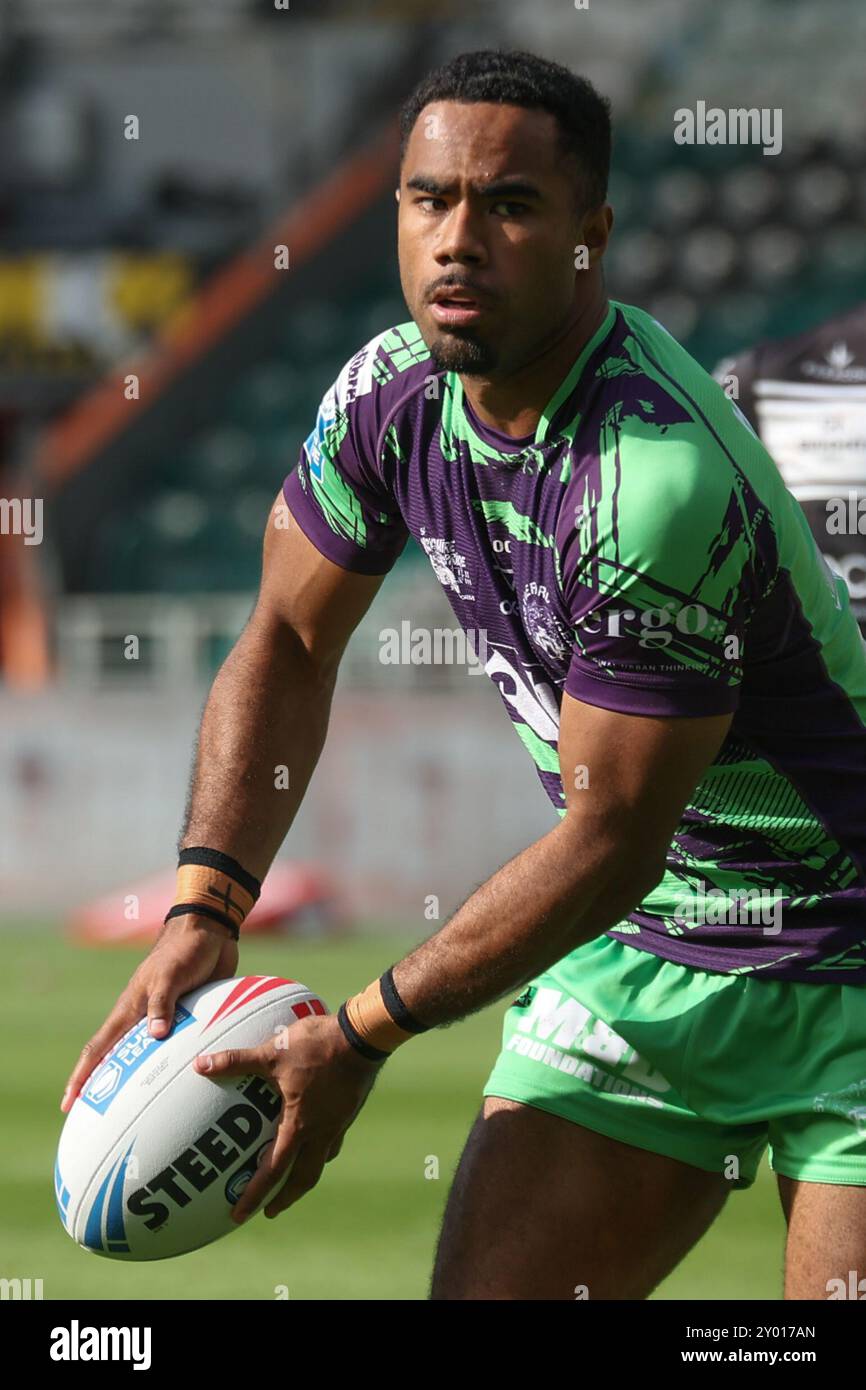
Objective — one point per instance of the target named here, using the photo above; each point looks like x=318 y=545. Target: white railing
x=409 y=640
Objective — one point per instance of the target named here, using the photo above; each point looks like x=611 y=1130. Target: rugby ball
x=152 y=1155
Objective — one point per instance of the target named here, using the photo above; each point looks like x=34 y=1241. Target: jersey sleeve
x=658 y=572
x=337 y=493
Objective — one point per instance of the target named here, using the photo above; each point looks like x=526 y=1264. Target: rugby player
x=683 y=952
x=806 y=398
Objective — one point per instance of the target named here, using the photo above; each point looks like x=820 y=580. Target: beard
x=468 y=355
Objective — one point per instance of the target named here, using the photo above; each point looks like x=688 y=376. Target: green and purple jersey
x=641 y=552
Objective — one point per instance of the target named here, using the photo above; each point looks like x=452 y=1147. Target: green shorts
x=708 y=1069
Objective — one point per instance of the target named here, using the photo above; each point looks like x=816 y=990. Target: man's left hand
x=323 y=1081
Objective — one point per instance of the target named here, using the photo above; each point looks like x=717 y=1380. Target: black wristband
x=202 y=910
x=373 y=1054
x=396 y=1008
x=215 y=859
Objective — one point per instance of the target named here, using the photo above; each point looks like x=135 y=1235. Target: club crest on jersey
x=543 y=628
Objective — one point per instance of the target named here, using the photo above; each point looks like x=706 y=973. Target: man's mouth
x=455 y=307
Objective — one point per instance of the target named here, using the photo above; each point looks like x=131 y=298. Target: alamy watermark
x=737 y=126
x=751 y=907
x=22 y=516
x=438 y=646
x=77 y=1343
x=846 y=516
x=20 y=1289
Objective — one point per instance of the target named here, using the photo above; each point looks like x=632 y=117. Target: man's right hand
x=189 y=951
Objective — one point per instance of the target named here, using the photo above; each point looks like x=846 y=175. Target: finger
x=274 y=1166
x=304 y=1175
x=90 y=1055
x=119 y=1021
x=160 y=1011
x=235 y=1061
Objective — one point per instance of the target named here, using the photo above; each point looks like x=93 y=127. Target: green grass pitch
x=368 y=1231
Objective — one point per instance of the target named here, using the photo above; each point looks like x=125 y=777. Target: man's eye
x=506 y=205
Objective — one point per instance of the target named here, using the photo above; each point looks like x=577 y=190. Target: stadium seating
x=722 y=243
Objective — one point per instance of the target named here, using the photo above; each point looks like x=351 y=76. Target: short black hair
x=513 y=77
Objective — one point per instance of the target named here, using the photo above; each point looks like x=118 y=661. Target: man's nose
x=461 y=236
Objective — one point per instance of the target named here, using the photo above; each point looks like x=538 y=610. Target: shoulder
x=376 y=378
x=364 y=396
x=674 y=378
x=668 y=434
x=677 y=468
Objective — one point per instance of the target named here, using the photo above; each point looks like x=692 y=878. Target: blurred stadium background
x=152 y=258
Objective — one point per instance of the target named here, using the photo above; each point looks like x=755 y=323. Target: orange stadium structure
x=69 y=444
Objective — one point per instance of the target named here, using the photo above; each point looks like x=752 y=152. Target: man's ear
x=397 y=194
x=596 y=227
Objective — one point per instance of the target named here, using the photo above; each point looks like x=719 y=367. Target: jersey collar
x=565 y=388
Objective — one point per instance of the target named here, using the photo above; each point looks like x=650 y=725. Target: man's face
x=489 y=210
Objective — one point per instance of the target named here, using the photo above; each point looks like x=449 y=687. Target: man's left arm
x=627 y=780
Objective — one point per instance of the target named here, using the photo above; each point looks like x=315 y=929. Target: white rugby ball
x=152 y=1155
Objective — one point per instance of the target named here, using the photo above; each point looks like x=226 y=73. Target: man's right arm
x=266 y=717
x=267 y=711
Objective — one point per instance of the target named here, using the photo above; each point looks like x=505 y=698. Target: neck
x=512 y=401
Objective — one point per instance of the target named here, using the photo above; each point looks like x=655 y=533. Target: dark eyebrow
x=499 y=188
